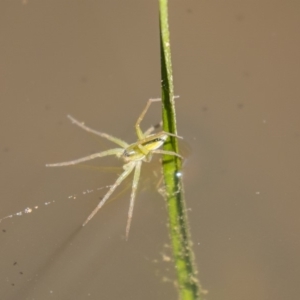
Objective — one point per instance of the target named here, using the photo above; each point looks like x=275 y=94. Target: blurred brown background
x=236 y=69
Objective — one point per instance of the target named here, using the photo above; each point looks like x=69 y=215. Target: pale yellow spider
x=132 y=154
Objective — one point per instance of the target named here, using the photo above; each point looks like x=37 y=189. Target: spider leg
x=152 y=128
x=172 y=134
x=139 y=132
x=117 y=152
x=136 y=178
x=102 y=134
x=167 y=153
x=127 y=170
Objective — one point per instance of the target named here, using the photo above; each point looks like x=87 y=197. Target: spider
x=132 y=154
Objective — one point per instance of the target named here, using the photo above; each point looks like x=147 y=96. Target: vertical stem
x=189 y=288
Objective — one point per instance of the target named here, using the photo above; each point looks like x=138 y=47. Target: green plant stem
x=188 y=285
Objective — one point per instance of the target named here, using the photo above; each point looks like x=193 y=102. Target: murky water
x=236 y=68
